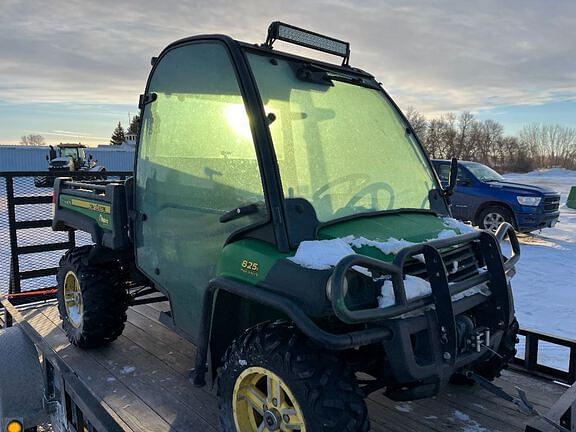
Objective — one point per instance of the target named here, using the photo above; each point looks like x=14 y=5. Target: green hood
x=412 y=227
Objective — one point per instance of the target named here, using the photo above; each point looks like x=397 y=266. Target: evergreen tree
x=134 y=125
x=118 y=135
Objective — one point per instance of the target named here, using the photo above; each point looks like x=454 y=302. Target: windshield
x=72 y=152
x=339 y=145
x=483 y=173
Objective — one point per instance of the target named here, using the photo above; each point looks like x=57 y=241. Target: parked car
x=486 y=199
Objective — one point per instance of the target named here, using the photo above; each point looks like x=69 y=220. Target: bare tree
x=418 y=122
x=32 y=140
x=550 y=145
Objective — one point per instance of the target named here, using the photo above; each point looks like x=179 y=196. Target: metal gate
x=29 y=249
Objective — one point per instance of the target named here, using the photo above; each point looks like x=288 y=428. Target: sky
x=71 y=69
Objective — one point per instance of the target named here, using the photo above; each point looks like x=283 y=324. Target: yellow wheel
x=263 y=402
x=92 y=300
x=273 y=378
x=73 y=299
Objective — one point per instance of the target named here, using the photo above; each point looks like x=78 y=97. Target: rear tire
x=97 y=300
x=326 y=396
x=491 y=217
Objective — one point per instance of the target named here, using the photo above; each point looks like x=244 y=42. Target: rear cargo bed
x=98 y=208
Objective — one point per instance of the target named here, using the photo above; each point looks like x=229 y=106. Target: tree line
x=464 y=136
x=119 y=133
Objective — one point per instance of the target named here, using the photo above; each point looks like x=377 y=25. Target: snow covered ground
x=545 y=285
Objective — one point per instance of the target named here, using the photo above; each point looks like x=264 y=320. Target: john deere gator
x=288 y=212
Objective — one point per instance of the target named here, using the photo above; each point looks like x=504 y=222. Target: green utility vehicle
x=268 y=194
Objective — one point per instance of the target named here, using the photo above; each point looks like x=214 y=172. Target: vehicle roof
x=267 y=50
x=71 y=145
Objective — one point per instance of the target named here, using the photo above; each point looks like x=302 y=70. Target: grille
x=552 y=203
x=461 y=263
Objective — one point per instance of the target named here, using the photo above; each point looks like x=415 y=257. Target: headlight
x=529 y=201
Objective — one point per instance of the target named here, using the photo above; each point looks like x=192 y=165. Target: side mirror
x=90 y=157
x=47 y=158
x=453 y=178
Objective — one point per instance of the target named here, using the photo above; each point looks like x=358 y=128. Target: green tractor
x=289 y=214
x=70 y=157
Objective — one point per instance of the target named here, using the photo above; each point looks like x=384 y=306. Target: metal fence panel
x=29 y=249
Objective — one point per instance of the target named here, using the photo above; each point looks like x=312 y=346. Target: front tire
x=92 y=300
x=274 y=378
x=491 y=217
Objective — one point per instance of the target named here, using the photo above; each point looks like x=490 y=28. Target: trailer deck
x=141 y=380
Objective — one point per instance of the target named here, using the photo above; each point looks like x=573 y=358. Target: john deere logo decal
x=101 y=208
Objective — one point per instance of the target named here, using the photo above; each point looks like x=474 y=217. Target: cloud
x=434 y=55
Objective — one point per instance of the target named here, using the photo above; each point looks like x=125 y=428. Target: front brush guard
x=495 y=276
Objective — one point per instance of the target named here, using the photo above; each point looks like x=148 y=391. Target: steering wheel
x=372 y=189
x=355 y=180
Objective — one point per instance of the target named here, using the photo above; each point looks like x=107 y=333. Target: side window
x=197 y=161
x=197 y=131
x=463 y=178
x=443 y=171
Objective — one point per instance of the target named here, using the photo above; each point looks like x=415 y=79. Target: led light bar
x=308 y=39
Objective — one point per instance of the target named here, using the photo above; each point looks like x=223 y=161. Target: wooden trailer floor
x=142 y=380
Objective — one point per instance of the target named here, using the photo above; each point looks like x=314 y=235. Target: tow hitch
x=521 y=401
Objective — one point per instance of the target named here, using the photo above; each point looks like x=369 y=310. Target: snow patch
x=127 y=370
x=405 y=408
x=459 y=415
x=444 y=234
x=321 y=254
x=414 y=286
x=470 y=425
x=324 y=254
x=388 y=247
x=458 y=225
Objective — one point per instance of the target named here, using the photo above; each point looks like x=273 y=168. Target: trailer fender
x=21 y=380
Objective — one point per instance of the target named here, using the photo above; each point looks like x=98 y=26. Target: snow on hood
x=321 y=254
x=454 y=224
x=415 y=287
x=324 y=254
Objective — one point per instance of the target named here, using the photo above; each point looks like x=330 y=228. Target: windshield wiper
x=351 y=80
x=239 y=212
x=319 y=75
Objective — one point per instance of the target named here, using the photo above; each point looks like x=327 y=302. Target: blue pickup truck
x=486 y=199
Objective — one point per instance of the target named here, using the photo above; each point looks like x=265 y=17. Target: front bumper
x=534 y=221
x=433 y=319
